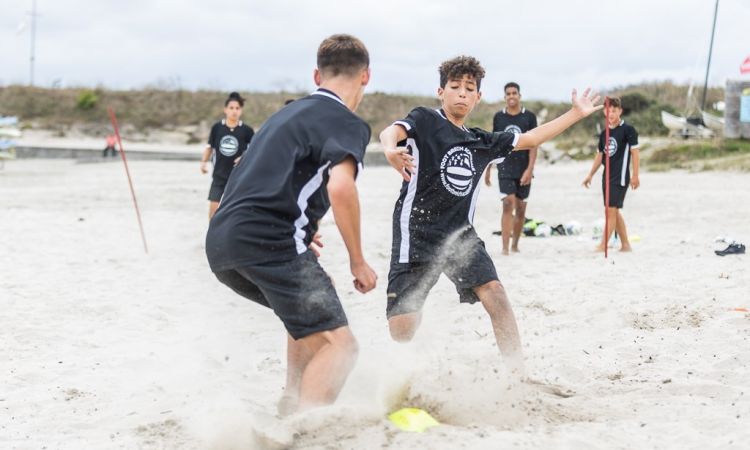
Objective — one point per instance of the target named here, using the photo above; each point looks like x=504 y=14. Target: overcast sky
x=548 y=46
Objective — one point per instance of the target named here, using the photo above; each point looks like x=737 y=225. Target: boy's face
x=233 y=111
x=512 y=97
x=460 y=96
x=614 y=115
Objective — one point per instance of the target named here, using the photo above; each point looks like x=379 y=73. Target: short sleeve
x=632 y=138
x=495 y=123
x=415 y=120
x=502 y=144
x=600 y=146
x=352 y=141
x=532 y=122
x=212 y=137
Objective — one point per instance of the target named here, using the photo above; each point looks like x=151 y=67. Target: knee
x=401 y=331
x=509 y=203
x=494 y=298
x=346 y=343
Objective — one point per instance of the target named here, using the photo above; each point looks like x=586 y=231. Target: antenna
x=710 y=50
x=33 y=42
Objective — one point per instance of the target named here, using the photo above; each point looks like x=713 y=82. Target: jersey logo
x=457 y=171
x=515 y=129
x=612 y=147
x=228 y=145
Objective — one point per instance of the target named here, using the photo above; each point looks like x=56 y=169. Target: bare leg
x=334 y=354
x=623 y=232
x=404 y=326
x=495 y=301
x=212 y=207
x=518 y=221
x=612 y=216
x=506 y=222
x=298 y=355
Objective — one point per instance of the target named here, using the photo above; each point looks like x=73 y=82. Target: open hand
x=586 y=182
x=400 y=159
x=586 y=103
x=316 y=244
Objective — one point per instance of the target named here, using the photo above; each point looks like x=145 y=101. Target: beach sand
x=103 y=346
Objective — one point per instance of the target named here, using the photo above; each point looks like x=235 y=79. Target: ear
x=316 y=76
x=440 y=92
x=479 y=96
x=365 y=78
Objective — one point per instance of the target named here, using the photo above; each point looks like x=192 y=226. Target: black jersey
x=622 y=139
x=515 y=164
x=277 y=194
x=442 y=194
x=228 y=144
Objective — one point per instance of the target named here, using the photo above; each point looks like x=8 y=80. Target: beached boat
x=681 y=126
x=715 y=123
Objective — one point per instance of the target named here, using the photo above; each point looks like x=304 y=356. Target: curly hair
x=456 y=68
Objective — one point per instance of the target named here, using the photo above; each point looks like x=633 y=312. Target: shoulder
x=247 y=128
x=629 y=128
x=530 y=114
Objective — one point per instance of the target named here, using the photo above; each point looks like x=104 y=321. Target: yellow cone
x=412 y=419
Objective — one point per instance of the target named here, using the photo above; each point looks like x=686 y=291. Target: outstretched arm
x=398 y=157
x=342 y=192
x=582 y=107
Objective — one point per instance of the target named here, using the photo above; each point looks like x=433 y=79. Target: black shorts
x=616 y=195
x=217 y=190
x=512 y=186
x=467 y=265
x=299 y=291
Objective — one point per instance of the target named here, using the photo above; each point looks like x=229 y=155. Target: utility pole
x=33 y=42
x=710 y=50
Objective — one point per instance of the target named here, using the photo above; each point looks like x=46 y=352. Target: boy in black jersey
x=514 y=174
x=441 y=162
x=622 y=147
x=228 y=140
x=261 y=242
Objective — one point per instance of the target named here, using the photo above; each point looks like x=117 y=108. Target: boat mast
x=710 y=51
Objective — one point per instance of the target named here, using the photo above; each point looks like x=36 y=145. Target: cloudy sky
x=548 y=46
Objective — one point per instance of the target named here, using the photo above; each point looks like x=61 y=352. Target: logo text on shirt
x=457 y=171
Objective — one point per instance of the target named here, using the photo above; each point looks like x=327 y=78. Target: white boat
x=9 y=132
x=715 y=123
x=680 y=126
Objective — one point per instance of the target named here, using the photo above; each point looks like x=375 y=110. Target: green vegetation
x=720 y=154
x=87 y=100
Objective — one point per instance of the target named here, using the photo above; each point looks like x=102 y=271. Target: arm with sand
x=398 y=157
x=342 y=191
x=582 y=107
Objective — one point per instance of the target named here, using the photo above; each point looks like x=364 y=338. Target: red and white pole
x=127 y=172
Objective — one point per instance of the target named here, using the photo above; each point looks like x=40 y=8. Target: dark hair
x=512 y=84
x=615 y=102
x=235 y=97
x=288 y=101
x=342 y=54
x=456 y=68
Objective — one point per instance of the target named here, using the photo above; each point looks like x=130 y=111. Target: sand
x=103 y=346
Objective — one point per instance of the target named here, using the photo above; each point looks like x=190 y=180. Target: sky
x=547 y=46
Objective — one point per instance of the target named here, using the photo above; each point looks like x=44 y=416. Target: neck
x=513 y=110
x=232 y=122
x=455 y=120
x=347 y=90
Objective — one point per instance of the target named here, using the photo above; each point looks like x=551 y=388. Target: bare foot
x=599 y=249
x=506 y=252
x=626 y=248
x=550 y=388
x=287 y=405
x=515 y=250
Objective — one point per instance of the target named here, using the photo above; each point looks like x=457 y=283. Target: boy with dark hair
x=441 y=162
x=303 y=160
x=622 y=147
x=514 y=174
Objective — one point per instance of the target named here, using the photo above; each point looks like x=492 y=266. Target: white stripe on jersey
x=302 y=202
x=625 y=161
x=326 y=94
x=403 y=124
x=463 y=127
x=474 y=197
x=406 y=207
